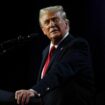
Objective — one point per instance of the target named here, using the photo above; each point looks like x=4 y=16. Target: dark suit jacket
x=69 y=78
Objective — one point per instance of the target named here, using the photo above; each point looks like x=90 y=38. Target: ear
x=67 y=24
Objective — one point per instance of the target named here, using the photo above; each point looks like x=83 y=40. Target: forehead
x=48 y=15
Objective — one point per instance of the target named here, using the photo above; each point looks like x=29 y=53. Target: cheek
x=63 y=27
x=44 y=31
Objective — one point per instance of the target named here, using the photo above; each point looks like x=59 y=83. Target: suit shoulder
x=80 y=40
x=79 y=43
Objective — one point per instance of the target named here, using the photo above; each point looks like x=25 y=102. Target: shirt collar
x=51 y=44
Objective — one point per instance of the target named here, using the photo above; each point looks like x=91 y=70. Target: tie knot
x=52 y=50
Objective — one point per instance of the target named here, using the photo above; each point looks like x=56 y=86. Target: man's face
x=53 y=26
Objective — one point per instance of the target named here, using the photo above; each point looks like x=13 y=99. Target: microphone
x=20 y=37
x=8 y=44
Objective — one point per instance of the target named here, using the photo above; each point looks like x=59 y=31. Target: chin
x=56 y=37
x=55 y=34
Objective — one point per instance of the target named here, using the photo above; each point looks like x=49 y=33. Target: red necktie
x=47 y=61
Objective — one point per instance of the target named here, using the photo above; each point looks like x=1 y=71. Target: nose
x=52 y=23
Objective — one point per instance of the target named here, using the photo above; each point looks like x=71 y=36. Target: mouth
x=54 y=31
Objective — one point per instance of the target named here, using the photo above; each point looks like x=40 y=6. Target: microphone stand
x=10 y=44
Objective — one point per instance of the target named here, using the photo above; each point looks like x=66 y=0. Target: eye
x=46 y=22
x=56 y=20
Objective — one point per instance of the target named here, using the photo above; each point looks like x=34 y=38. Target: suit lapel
x=45 y=53
x=44 y=57
x=57 y=53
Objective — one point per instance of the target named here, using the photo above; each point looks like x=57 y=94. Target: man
x=66 y=77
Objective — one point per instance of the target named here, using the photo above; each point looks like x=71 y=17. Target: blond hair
x=57 y=8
